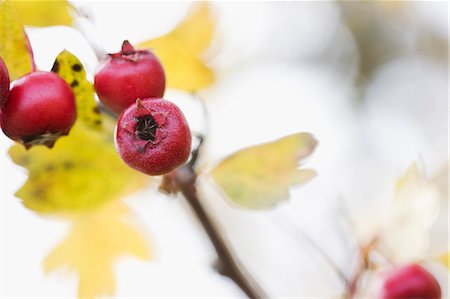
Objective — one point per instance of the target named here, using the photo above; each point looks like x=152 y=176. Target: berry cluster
x=152 y=134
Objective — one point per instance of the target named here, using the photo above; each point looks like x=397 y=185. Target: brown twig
x=185 y=178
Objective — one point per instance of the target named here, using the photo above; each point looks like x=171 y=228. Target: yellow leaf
x=445 y=259
x=95 y=242
x=15 y=47
x=258 y=177
x=44 y=13
x=180 y=50
x=81 y=171
x=71 y=70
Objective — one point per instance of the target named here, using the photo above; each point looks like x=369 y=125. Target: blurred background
x=368 y=79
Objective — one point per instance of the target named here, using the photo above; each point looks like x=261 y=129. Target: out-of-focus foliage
x=83 y=169
x=259 y=177
x=180 y=50
x=44 y=13
x=15 y=48
x=70 y=69
x=386 y=30
x=97 y=239
x=401 y=233
x=445 y=259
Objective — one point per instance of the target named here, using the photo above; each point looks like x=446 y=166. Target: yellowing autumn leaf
x=95 y=242
x=44 y=13
x=180 y=50
x=15 y=48
x=71 y=70
x=83 y=169
x=259 y=177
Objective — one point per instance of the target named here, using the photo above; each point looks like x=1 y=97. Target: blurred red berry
x=131 y=74
x=410 y=282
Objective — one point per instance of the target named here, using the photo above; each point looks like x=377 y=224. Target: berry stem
x=127 y=48
x=185 y=179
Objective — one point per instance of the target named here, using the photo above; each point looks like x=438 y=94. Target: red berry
x=152 y=136
x=128 y=75
x=410 y=282
x=41 y=108
x=4 y=83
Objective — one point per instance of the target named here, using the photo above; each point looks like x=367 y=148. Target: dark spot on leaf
x=39 y=192
x=97 y=122
x=74 y=83
x=96 y=110
x=49 y=167
x=76 y=67
x=68 y=165
x=55 y=67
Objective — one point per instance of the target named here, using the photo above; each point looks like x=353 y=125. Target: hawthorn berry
x=410 y=282
x=152 y=136
x=4 y=83
x=40 y=109
x=131 y=74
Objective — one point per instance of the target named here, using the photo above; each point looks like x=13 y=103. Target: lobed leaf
x=180 y=50
x=15 y=47
x=80 y=172
x=96 y=240
x=259 y=177
x=44 y=13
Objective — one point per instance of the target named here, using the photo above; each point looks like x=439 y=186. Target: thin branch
x=185 y=178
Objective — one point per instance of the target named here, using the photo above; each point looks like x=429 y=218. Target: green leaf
x=259 y=177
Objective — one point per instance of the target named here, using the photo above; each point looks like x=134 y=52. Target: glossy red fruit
x=4 y=83
x=40 y=109
x=410 y=282
x=152 y=136
x=131 y=74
